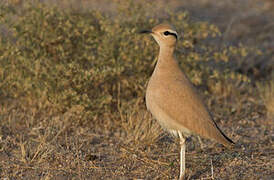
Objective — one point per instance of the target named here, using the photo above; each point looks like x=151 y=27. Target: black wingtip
x=230 y=142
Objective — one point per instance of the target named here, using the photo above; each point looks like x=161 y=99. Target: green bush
x=67 y=58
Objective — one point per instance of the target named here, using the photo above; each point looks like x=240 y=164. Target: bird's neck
x=165 y=55
x=165 y=62
x=166 y=50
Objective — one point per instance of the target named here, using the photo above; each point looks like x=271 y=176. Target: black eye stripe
x=166 y=33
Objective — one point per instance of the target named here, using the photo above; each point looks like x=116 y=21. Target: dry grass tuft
x=140 y=127
x=266 y=90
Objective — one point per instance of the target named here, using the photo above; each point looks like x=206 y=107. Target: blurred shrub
x=66 y=58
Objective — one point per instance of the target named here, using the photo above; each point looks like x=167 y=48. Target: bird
x=172 y=98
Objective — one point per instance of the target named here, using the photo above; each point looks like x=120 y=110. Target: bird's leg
x=201 y=142
x=182 y=156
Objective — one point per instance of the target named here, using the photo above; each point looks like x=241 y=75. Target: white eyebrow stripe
x=173 y=31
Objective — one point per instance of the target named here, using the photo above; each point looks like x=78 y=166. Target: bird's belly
x=167 y=122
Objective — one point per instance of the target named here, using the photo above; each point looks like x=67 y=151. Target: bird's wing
x=179 y=100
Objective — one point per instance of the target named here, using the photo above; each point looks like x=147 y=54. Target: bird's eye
x=166 y=33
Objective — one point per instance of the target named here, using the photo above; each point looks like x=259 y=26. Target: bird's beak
x=145 y=32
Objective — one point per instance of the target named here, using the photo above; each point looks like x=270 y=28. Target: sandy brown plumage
x=172 y=99
x=170 y=92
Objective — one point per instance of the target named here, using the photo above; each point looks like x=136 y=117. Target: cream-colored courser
x=172 y=99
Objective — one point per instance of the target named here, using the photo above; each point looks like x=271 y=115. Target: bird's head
x=164 y=34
